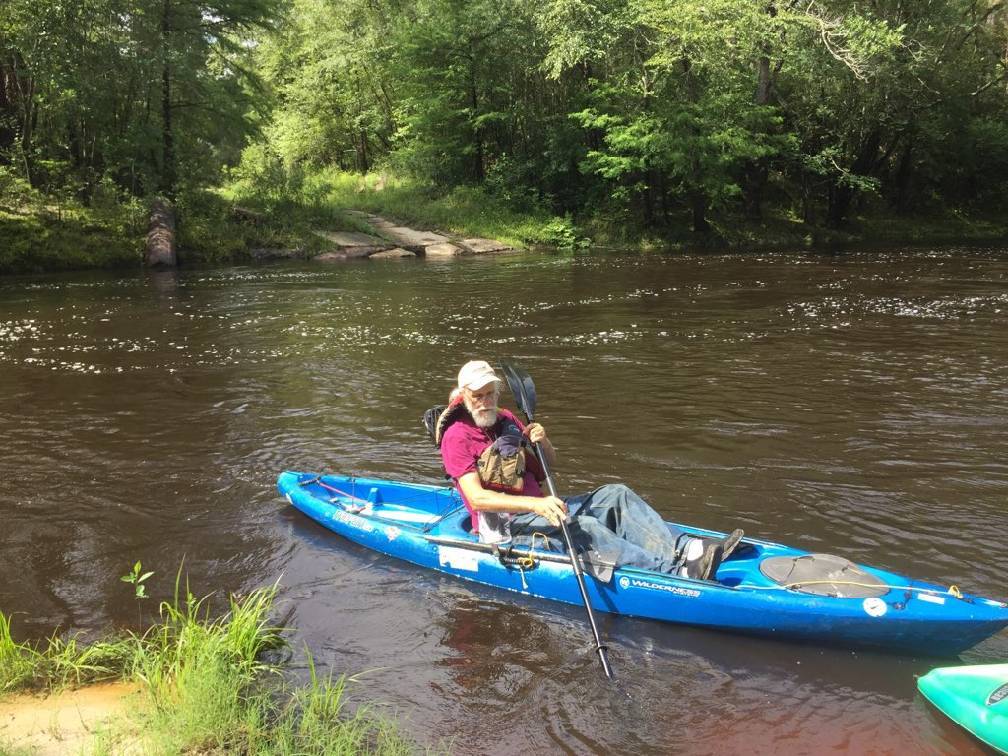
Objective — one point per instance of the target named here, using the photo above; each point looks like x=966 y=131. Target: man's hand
x=536 y=433
x=552 y=508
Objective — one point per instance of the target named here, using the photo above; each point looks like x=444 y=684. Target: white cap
x=476 y=374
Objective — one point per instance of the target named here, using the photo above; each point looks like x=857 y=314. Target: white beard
x=484 y=418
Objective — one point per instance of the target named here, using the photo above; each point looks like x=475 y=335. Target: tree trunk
x=664 y=197
x=698 y=198
x=363 y=152
x=30 y=118
x=477 y=165
x=648 y=199
x=754 y=181
x=755 y=173
x=841 y=195
x=903 y=180
x=28 y=135
x=167 y=137
x=698 y=205
x=7 y=133
x=74 y=144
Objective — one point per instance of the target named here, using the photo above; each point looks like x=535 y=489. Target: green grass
x=210 y=231
x=464 y=211
x=60 y=662
x=37 y=238
x=206 y=687
x=8 y=750
x=39 y=233
x=472 y=211
x=949 y=227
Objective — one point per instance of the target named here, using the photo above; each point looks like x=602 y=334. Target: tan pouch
x=500 y=473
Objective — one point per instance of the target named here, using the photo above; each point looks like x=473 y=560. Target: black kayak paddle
x=523 y=389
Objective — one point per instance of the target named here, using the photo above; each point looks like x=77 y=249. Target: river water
x=853 y=404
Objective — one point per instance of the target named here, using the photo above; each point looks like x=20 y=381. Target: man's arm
x=483 y=499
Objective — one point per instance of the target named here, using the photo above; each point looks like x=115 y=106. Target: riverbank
x=474 y=211
x=187 y=684
x=247 y=221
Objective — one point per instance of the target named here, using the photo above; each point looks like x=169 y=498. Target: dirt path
x=398 y=241
x=66 y=722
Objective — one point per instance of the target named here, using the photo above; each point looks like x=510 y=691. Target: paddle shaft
x=523 y=389
x=599 y=648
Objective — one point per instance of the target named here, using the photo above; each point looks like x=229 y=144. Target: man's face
x=482 y=404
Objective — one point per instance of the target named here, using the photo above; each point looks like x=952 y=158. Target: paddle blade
x=521 y=386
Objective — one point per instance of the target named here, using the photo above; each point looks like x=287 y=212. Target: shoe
x=710 y=561
x=731 y=542
x=704 y=565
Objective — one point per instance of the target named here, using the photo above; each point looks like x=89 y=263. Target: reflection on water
x=854 y=404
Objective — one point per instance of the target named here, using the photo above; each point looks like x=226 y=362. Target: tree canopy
x=142 y=93
x=652 y=112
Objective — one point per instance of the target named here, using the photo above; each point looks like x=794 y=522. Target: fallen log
x=160 y=251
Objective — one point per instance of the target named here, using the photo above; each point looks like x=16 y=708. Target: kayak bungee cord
x=370 y=504
x=442 y=518
x=783 y=582
x=327 y=487
x=953 y=590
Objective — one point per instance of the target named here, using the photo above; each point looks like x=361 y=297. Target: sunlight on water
x=852 y=404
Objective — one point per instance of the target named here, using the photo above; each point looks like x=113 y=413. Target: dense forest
x=649 y=113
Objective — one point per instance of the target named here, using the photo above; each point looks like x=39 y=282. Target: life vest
x=501 y=466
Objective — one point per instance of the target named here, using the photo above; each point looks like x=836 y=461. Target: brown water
x=854 y=404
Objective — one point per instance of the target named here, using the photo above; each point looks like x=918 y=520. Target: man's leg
x=622 y=529
x=588 y=535
x=601 y=543
x=532 y=530
x=603 y=549
x=632 y=519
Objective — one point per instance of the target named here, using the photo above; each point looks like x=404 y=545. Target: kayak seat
x=429 y=420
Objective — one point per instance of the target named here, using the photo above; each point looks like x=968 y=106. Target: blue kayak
x=763 y=588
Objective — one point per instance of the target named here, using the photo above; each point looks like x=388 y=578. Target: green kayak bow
x=975 y=697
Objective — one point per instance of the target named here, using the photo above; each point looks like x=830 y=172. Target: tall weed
x=60 y=662
x=17 y=660
x=207 y=687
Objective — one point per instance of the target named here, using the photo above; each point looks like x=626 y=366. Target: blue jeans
x=613 y=524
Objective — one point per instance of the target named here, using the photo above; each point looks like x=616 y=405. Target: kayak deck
x=427 y=525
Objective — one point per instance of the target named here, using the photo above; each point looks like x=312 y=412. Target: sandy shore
x=65 y=722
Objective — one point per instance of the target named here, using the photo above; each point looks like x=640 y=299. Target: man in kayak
x=481 y=448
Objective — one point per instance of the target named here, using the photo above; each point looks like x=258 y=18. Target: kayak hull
x=974 y=697
x=427 y=525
